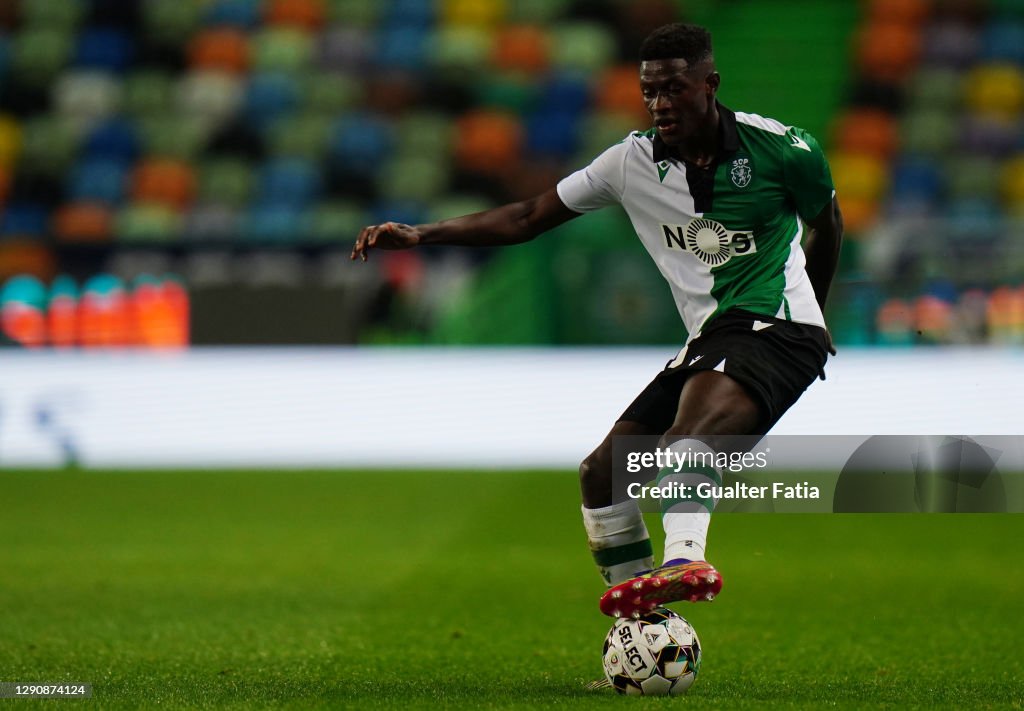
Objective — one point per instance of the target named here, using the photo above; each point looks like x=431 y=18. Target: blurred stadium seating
x=202 y=137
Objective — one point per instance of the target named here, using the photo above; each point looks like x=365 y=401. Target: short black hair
x=677 y=41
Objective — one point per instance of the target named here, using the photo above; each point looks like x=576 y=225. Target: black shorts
x=774 y=359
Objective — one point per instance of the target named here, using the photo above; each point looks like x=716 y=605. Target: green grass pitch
x=419 y=589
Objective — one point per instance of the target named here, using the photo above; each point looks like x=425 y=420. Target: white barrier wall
x=436 y=407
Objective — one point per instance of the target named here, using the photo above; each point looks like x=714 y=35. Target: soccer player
x=720 y=199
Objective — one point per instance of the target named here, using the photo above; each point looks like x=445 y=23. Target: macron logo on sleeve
x=800 y=143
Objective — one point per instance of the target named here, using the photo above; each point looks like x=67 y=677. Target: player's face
x=678 y=97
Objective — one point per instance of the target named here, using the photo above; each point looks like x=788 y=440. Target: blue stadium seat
x=277 y=224
x=115 y=139
x=411 y=213
x=552 y=133
x=566 y=92
x=358 y=142
x=289 y=182
x=97 y=180
x=24 y=219
x=105 y=49
x=916 y=179
x=234 y=13
x=413 y=13
x=402 y=47
x=24 y=289
x=1003 y=41
x=269 y=96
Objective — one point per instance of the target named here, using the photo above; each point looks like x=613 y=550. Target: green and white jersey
x=726 y=236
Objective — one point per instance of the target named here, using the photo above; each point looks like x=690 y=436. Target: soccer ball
x=656 y=655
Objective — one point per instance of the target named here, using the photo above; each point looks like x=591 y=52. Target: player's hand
x=390 y=235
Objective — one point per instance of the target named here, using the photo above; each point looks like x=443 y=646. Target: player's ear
x=712 y=81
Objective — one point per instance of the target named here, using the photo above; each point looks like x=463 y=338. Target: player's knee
x=595 y=473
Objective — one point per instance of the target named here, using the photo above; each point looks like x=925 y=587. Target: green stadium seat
x=460 y=50
x=38 y=54
x=150 y=223
x=935 y=88
x=49 y=144
x=171 y=22
x=281 y=49
x=931 y=132
x=537 y=12
x=972 y=176
x=336 y=222
x=226 y=181
x=413 y=178
x=147 y=91
x=62 y=14
x=424 y=133
x=511 y=92
x=353 y=13
x=454 y=205
x=583 y=46
x=173 y=136
x=303 y=136
x=327 y=92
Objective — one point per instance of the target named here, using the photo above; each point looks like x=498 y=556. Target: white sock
x=618 y=540
x=686 y=519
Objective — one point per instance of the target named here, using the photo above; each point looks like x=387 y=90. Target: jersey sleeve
x=599 y=184
x=808 y=178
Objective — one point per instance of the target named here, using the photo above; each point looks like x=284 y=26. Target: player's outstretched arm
x=510 y=224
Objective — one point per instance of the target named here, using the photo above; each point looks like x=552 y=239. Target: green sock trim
x=607 y=557
x=707 y=502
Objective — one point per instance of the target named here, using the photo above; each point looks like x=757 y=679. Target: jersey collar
x=728 y=137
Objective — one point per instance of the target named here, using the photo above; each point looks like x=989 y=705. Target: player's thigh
x=712 y=404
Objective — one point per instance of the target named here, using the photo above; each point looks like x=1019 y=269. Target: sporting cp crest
x=741 y=172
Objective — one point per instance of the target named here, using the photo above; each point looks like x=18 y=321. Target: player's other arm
x=821 y=247
x=514 y=223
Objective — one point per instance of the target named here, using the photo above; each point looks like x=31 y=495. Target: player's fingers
x=378 y=230
x=358 y=249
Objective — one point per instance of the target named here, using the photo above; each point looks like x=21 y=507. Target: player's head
x=678 y=80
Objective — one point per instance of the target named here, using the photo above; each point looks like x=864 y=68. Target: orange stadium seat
x=906 y=12
x=310 y=14
x=523 y=48
x=25 y=256
x=222 y=49
x=888 y=51
x=869 y=131
x=858 y=214
x=82 y=222
x=487 y=141
x=618 y=92
x=165 y=182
